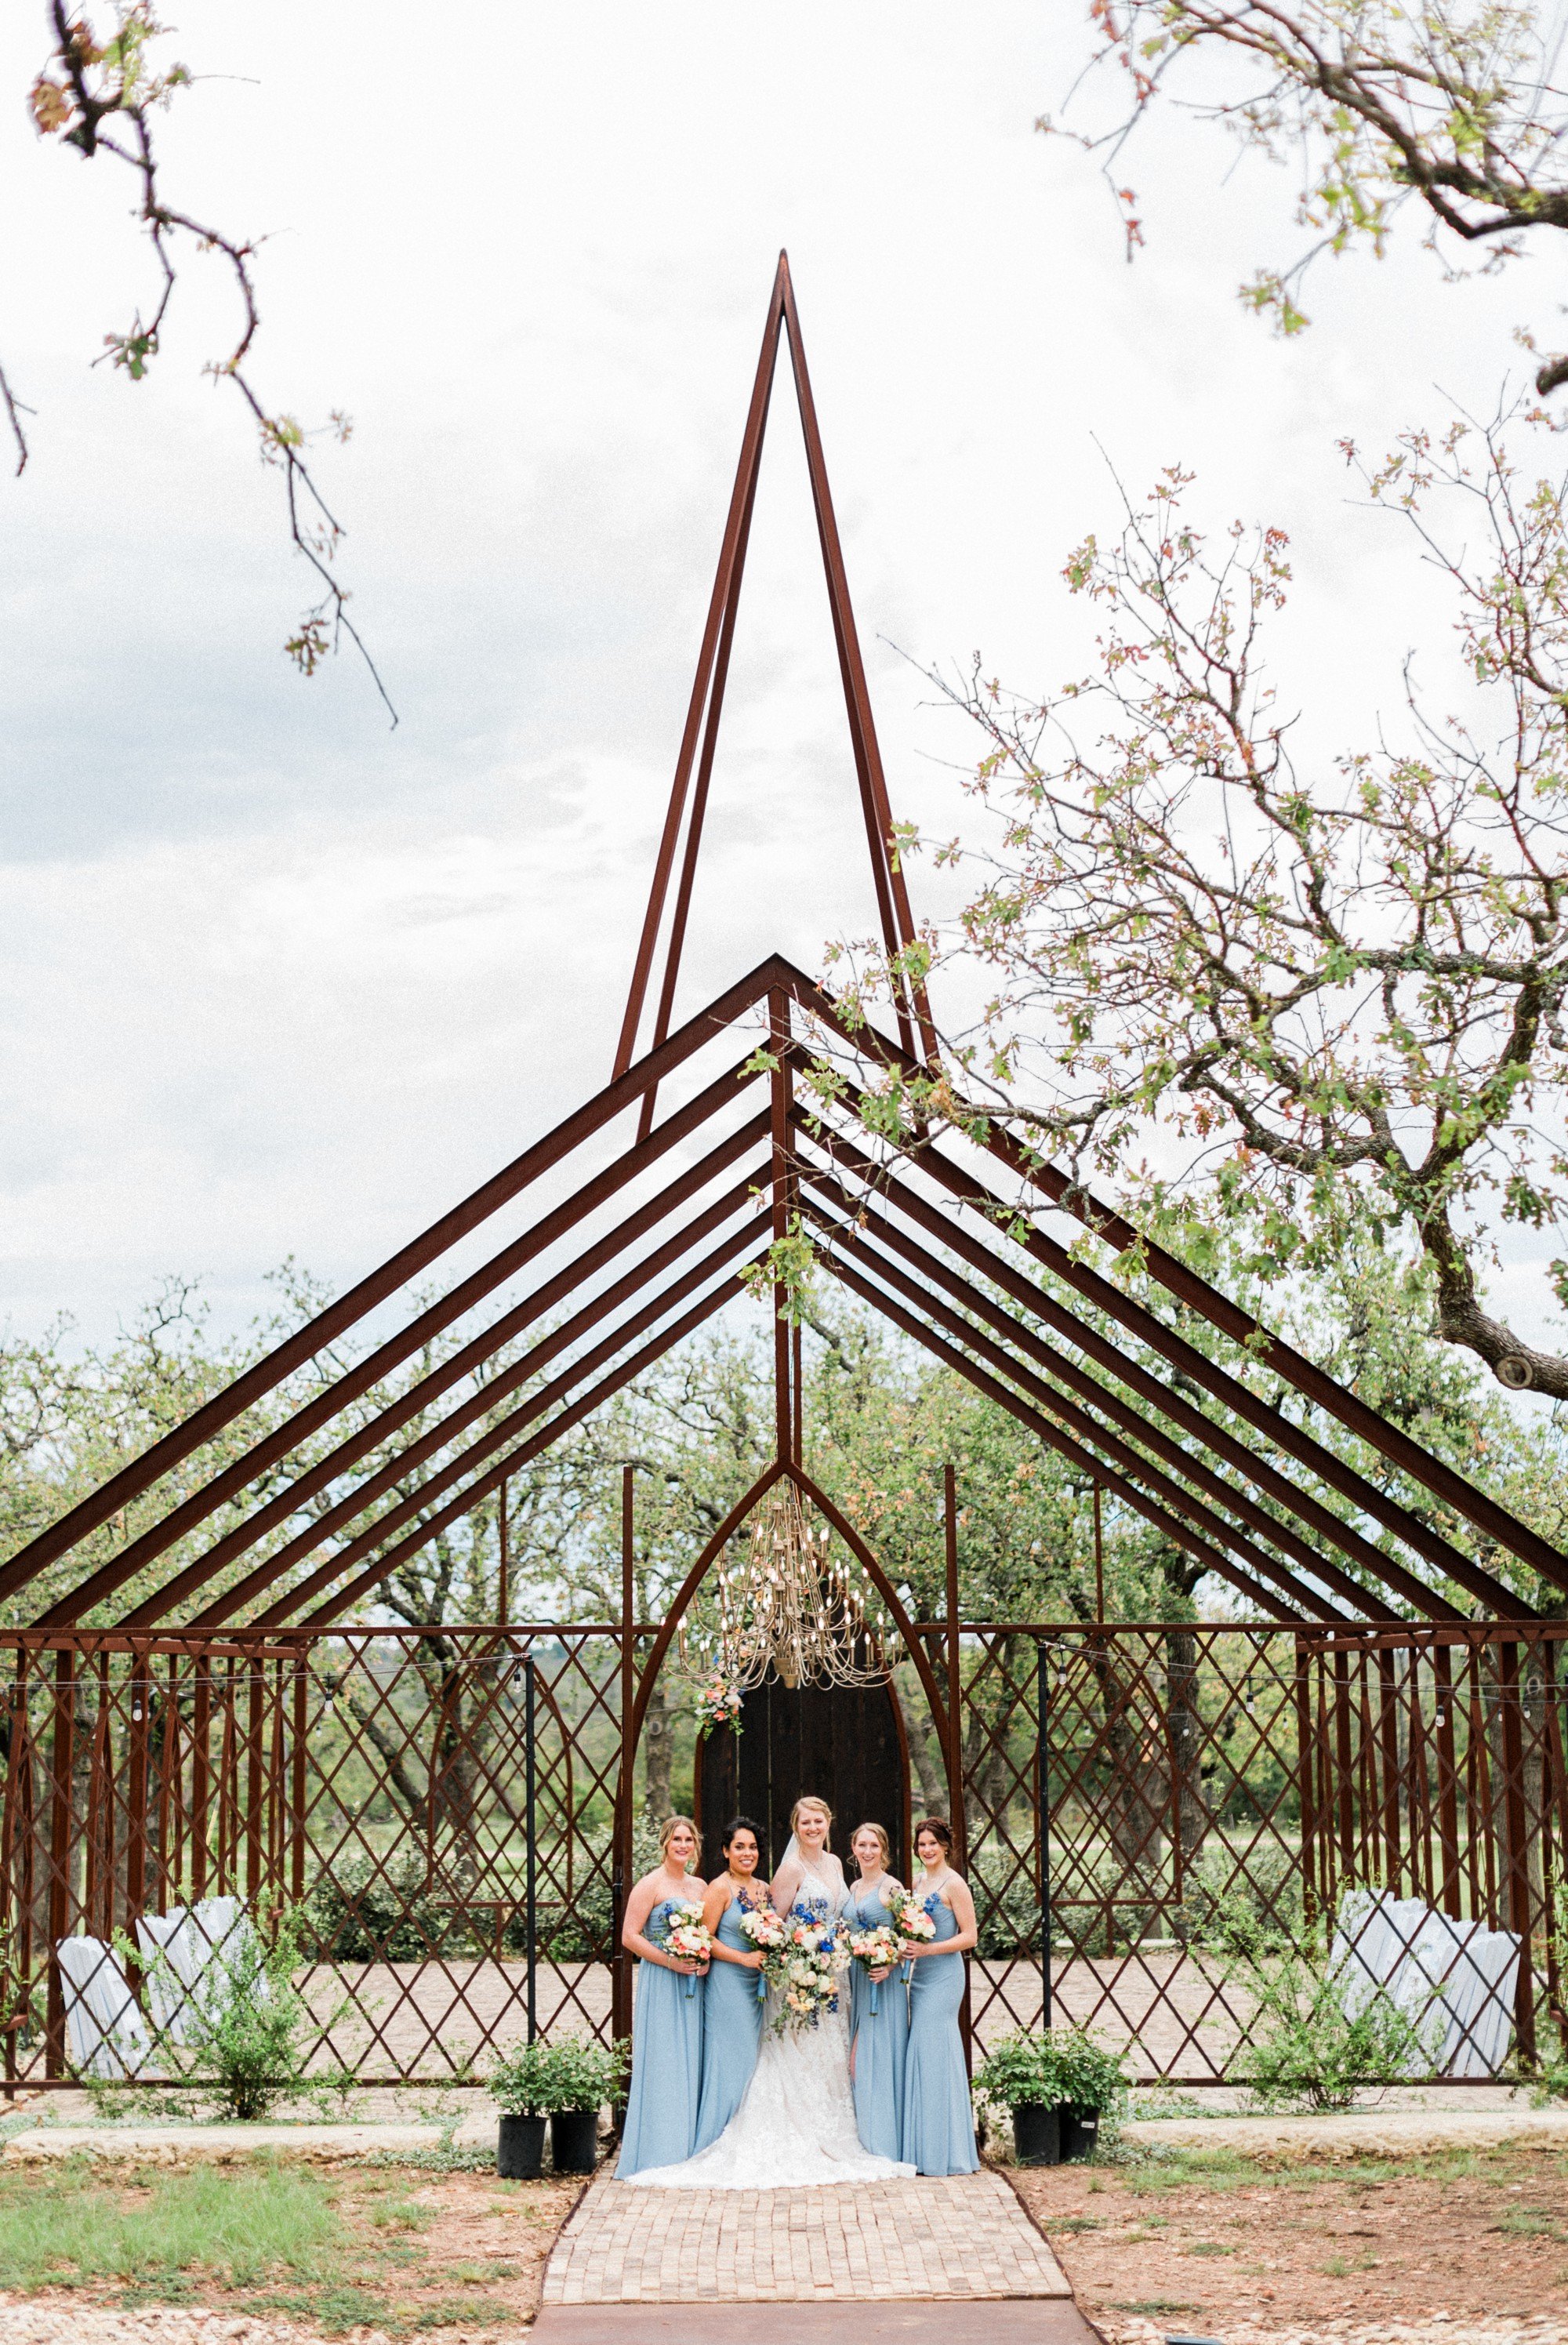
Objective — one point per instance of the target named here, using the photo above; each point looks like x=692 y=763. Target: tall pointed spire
x=694 y=767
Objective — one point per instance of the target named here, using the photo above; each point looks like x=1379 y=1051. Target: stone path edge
x=229 y=2145
x=1358 y=2133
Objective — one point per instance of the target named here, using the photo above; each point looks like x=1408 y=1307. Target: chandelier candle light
x=793 y=1610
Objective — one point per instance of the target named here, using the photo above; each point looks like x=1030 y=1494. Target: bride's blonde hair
x=809 y=1800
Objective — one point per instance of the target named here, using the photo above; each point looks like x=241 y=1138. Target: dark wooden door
x=846 y=1743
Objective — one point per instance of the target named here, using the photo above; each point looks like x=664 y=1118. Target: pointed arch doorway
x=846 y=1743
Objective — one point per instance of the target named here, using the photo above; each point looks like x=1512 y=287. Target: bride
x=797 y=2124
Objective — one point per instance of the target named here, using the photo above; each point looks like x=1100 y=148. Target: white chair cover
x=105 y=2034
x=1454 y=1981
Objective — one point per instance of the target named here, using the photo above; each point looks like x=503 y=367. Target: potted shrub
x=583 y=2076
x=569 y=2084
x=520 y=2085
x=1022 y=2076
x=1090 y=2080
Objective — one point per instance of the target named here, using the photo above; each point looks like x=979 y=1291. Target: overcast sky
x=275 y=979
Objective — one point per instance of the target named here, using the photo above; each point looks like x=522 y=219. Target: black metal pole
x=1042 y=1765
x=530 y=1820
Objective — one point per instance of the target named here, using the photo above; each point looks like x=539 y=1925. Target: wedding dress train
x=795 y=2125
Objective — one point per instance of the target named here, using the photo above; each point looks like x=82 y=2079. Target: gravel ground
x=60 y=2319
x=1441 y=2329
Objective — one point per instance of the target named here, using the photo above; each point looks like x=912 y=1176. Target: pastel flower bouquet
x=878 y=1950
x=719 y=1704
x=915 y=1926
x=687 y=1937
x=769 y=1934
x=804 y=1961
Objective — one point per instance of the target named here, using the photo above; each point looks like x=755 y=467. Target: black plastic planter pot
x=519 y=2149
x=1079 y=2133
x=1036 y=2135
x=574 y=2140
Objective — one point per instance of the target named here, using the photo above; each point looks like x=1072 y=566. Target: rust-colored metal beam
x=1170 y=1527
x=1041 y=1304
x=364 y=1494
x=267 y=1373
x=509 y=1426
x=1269 y=1350
x=706 y=709
x=365 y=1374
x=1102 y=1295
x=898 y=929
x=933 y=1273
x=467 y=1499
x=1088 y=1436
x=725 y=585
x=1388 y=1570
x=470 y=1357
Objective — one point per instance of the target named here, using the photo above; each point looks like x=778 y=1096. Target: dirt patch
x=1215 y=2246
x=440 y=2256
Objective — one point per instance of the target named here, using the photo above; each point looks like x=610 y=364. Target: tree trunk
x=656 y=1746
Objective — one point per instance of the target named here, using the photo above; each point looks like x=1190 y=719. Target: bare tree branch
x=87 y=83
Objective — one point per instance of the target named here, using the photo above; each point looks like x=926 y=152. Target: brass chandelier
x=793 y=1609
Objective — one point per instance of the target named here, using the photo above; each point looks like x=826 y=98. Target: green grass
x=1227 y=2170
x=344 y=2251
x=71 y=2226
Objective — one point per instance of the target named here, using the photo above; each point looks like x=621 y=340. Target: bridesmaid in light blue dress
x=938 y=2134
x=733 y=2020
x=660 y=2121
x=879 y=2037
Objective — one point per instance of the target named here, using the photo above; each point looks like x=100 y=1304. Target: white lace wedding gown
x=797 y=2124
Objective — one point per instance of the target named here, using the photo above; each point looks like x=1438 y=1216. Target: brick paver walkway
x=965 y=2237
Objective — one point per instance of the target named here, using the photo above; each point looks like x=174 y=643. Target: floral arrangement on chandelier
x=796 y=1608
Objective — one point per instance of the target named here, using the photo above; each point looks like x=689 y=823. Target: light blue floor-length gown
x=661 y=2122
x=731 y=2029
x=881 y=2037
x=938 y=2134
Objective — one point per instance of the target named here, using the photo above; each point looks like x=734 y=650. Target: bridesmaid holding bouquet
x=660 y=2121
x=879 y=2007
x=732 y=2026
x=938 y=2134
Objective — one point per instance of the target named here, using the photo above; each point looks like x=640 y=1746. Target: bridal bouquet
x=804 y=1972
x=688 y=1939
x=767 y=1932
x=878 y=1950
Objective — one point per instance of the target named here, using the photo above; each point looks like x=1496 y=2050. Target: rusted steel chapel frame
x=267 y=1373
x=1395 y=1446
x=967 y=1302
x=852 y=1228
x=953 y=1310
x=881 y=1187
x=911 y=1010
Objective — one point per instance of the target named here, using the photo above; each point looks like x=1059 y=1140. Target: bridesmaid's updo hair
x=809 y=1800
x=670 y=1827
x=883 y=1841
x=740 y=1824
x=939 y=1829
